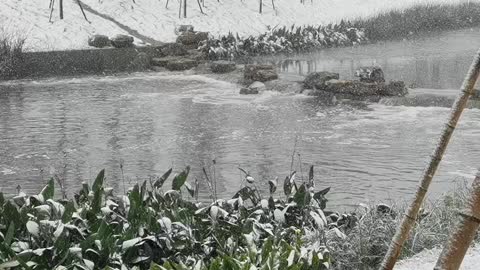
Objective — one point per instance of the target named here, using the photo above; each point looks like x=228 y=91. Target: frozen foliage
x=284 y=40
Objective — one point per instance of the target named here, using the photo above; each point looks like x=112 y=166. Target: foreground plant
x=149 y=228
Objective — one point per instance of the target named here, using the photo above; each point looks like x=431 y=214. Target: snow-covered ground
x=30 y=18
x=426 y=260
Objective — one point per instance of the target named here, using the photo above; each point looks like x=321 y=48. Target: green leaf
x=160 y=181
x=11 y=214
x=49 y=190
x=69 y=210
x=310 y=176
x=267 y=249
x=98 y=183
x=302 y=197
x=10 y=234
x=180 y=179
x=97 y=200
x=190 y=189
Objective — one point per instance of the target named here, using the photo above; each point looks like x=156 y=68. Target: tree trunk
x=60 y=6
x=410 y=216
x=184 y=8
x=83 y=12
x=452 y=255
x=261 y=7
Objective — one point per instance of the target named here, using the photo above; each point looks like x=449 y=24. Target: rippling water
x=151 y=122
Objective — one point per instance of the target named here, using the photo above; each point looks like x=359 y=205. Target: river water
x=153 y=121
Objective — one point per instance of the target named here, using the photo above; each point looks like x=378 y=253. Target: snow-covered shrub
x=284 y=40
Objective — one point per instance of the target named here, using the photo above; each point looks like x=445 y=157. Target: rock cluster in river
x=372 y=84
x=261 y=73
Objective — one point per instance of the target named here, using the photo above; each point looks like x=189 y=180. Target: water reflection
x=439 y=61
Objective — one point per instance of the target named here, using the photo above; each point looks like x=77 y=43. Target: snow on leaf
x=130 y=243
x=291 y=257
x=279 y=216
x=166 y=224
x=33 y=228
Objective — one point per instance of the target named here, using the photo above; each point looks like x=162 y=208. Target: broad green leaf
x=302 y=196
x=11 y=214
x=98 y=183
x=160 y=181
x=180 y=179
x=69 y=210
x=10 y=234
x=49 y=190
x=97 y=200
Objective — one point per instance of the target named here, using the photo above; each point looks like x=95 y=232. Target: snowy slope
x=426 y=260
x=150 y=17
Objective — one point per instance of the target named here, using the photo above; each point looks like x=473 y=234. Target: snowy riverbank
x=426 y=260
x=151 y=19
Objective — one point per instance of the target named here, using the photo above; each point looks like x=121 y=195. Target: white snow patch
x=30 y=19
x=427 y=260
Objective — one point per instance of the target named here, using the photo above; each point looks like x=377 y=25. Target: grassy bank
x=419 y=20
x=155 y=226
x=397 y=24
x=11 y=49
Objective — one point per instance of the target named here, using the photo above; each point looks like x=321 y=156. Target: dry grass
x=11 y=50
x=420 y=19
x=367 y=243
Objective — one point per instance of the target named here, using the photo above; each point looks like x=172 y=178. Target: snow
x=30 y=18
x=427 y=260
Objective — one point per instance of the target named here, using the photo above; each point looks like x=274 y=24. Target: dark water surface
x=151 y=122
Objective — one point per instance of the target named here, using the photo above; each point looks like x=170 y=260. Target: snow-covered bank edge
x=427 y=259
x=151 y=19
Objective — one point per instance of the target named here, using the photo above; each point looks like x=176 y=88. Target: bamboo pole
x=410 y=216
x=452 y=255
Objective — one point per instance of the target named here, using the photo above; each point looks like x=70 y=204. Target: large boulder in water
x=261 y=73
x=222 y=66
x=122 y=41
x=371 y=74
x=362 y=89
x=99 y=41
x=317 y=80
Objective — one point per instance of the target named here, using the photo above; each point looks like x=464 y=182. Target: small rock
x=181 y=64
x=173 y=49
x=122 y=41
x=99 y=41
x=260 y=73
x=258 y=86
x=248 y=91
x=395 y=88
x=222 y=66
x=192 y=39
x=317 y=80
x=372 y=74
x=183 y=28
